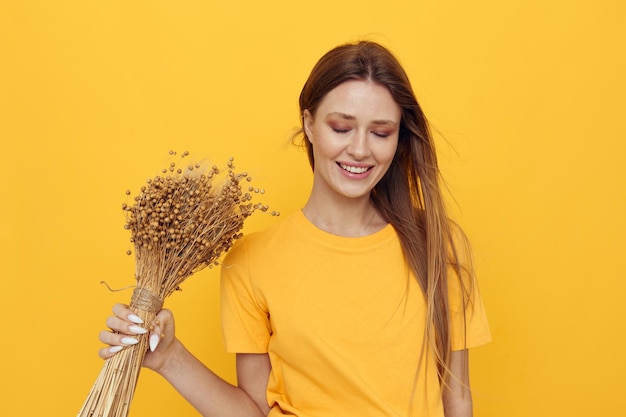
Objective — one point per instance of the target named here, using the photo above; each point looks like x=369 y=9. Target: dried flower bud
x=181 y=222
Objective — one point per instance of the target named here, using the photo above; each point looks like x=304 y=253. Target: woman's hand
x=205 y=391
x=126 y=326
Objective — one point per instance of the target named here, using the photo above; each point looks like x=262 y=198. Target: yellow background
x=529 y=96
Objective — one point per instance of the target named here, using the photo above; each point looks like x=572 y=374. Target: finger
x=108 y=352
x=116 y=324
x=122 y=326
x=163 y=322
x=155 y=335
x=153 y=342
x=116 y=339
x=122 y=311
x=165 y=318
x=116 y=342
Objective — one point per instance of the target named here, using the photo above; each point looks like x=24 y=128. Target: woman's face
x=354 y=135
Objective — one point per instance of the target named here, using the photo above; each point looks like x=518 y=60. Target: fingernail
x=115 y=349
x=129 y=340
x=137 y=329
x=135 y=318
x=154 y=342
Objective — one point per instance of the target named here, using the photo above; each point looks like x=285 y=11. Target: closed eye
x=335 y=129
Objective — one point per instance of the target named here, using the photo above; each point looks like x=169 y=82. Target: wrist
x=168 y=358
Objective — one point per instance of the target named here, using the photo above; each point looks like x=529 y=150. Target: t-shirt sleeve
x=469 y=325
x=245 y=320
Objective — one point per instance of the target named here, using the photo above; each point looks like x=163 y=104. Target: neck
x=349 y=219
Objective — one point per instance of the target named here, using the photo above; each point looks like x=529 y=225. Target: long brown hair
x=409 y=195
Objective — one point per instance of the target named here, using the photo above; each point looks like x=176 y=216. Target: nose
x=358 y=147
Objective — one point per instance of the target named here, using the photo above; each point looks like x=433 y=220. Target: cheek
x=387 y=152
x=323 y=145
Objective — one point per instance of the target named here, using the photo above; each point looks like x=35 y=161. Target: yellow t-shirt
x=342 y=320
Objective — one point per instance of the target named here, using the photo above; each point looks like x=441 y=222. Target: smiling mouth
x=353 y=169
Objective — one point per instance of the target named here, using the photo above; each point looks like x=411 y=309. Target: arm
x=253 y=372
x=457 y=397
x=205 y=391
x=210 y=394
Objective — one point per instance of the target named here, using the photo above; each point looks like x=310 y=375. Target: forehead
x=360 y=99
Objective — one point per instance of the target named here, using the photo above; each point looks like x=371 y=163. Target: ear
x=307 y=124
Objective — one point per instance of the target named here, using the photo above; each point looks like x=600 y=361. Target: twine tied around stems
x=146 y=300
x=142 y=298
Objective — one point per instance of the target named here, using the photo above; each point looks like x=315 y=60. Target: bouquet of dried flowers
x=180 y=223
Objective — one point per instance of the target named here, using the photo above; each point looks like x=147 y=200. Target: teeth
x=354 y=170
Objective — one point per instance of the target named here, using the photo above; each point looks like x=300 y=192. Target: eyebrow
x=351 y=117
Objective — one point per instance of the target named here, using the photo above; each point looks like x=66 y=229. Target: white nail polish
x=115 y=349
x=137 y=329
x=129 y=340
x=135 y=318
x=154 y=342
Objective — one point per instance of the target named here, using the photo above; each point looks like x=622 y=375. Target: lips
x=354 y=169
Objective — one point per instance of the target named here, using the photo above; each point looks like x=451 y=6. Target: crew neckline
x=342 y=242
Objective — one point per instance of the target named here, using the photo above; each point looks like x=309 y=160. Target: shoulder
x=255 y=259
x=260 y=242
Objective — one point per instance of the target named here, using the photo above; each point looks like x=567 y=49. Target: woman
x=364 y=302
